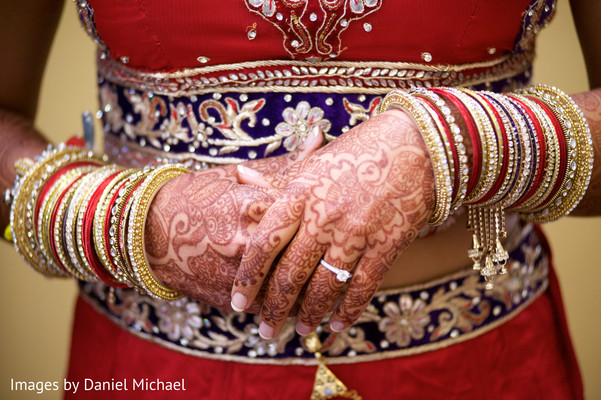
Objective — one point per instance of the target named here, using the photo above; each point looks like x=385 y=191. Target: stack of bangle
x=531 y=151
x=73 y=215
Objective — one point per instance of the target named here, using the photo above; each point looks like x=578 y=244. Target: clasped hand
x=356 y=203
x=199 y=223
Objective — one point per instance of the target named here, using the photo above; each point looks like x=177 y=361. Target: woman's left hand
x=199 y=223
x=356 y=204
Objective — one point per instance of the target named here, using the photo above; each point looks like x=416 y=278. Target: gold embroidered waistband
x=373 y=77
x=397 y=323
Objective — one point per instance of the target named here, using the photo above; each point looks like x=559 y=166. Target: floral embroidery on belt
x=396 y=323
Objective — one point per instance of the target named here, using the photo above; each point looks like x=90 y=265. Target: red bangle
x=451 y=142
x=474 y=137
x=88 y=246
x=505 y=164
x=48 y=185
x=121 y=236
x=542 y=148
x=107 y=225
x=563 y=160
x=53 y=217
x=76 y=141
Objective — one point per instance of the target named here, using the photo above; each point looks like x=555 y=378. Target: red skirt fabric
x=529 y=357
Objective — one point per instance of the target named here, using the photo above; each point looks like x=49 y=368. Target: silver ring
x=341 y=274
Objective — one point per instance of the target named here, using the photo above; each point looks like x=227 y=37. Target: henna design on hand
x=198 y=225
x=361 y=200
x=197 y=228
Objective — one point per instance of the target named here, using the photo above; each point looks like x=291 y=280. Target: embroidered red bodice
x=161 y=35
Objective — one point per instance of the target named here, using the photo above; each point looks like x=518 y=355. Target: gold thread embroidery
x=306 y=34
x=291 y=132
x=531 y=23
x=303 y=76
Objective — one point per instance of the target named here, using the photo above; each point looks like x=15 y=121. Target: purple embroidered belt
x=229 y=114
x=397 y=322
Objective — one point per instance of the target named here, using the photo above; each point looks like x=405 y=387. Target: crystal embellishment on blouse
x=427 y=57
x=312 y=32
x=251 y=31
x=203 y=59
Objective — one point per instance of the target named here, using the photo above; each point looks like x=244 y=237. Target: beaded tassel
x=486 y=241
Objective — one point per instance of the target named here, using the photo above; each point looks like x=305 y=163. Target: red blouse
x=161 y=35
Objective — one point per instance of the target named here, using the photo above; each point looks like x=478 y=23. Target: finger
x=277 y=181
x=273 y=165
x=324 y=288
x=275 y=230
x=277 y=171
x=286 y=282
x=313 y=142
x=251 y=176
x=366 y=280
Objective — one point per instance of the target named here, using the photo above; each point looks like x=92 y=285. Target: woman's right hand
x=356 y=204
x=199 y=223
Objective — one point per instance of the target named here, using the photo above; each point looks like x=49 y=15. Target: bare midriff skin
x=441 y=254
x=431 y=257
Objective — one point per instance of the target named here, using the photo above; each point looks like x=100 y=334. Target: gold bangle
x=442 y=175
x=461 y=170
x=488 y=139
x=440 y=130
x=530 y=151
x=123 y=238
x=490 y=109
x=512 y=143
x=47 y=208
x=99 y=177
x=142 y=198
x=72 y=241
x=100 y=233
x=523 y=160
x=580 y=169
x=495 y=137
x=551 y=166
x=30 y=179
x=59 y=231
x=117 y=247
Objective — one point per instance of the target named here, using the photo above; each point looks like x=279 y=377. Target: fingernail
x=315 y=131
x=302 y=329
x=313 y=134
x=247 y=171
x=265 y=331
x=336 y=326
x=239 y=302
